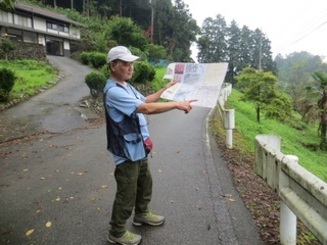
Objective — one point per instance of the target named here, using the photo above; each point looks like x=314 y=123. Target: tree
x=174 y=28
x=234 y=51
x=321 y=78
x=297 y=68
x=7 y=3
x=125 y=32
x=295 y=73
x=6 y=46
x=241 y=48
x=212 y=44
x=183 y=33
x=260 y=87
x=245 y=56
x=306 y=101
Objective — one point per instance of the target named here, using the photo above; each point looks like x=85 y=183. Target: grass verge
x=294 y=142
x=32 y=76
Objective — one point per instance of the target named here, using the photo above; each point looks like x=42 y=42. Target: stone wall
x=24 y=50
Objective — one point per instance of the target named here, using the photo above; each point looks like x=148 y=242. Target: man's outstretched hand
x=185 y=105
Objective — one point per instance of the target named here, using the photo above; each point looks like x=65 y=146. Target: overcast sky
x=291 y=26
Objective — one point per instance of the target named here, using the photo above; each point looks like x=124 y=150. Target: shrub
x=138 y=52
x=96 y=81
x=85 y=58
x=6 y=46
x=98 y=59
x=7 y=82
x=143 y=72
x=156 y=51
x=105 y=71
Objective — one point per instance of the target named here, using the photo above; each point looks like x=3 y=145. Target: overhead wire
x=312 y=26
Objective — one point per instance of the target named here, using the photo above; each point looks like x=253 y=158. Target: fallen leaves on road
x=48 y=224
x=29 y=232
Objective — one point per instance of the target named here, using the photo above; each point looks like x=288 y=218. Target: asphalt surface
x=57 y=184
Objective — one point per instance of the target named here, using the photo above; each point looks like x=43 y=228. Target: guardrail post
x=288 y=219
x=229 y=123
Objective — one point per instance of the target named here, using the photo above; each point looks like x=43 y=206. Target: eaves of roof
x=38 y=11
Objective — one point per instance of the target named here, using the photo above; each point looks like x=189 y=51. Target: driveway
x=55 y=110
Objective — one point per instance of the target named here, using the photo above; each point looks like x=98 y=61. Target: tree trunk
x=322 y=105
x=258 y=114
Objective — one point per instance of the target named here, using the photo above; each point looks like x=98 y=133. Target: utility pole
x=260 y=52
x=72 y=4
x=152 y=19
x=120 y=8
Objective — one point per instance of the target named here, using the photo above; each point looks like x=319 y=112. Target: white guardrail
x=303 y=195
x=227 y=115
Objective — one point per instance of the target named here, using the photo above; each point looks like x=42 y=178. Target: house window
x=14 y=34
x=30 y=37
x=23 y=20
x=57 y=27
x=60 y=28
x=4 y=16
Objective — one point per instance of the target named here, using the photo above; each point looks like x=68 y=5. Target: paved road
x=59 y=186
x=55 y=110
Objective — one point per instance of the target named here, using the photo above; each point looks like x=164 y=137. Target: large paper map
x=195 y=81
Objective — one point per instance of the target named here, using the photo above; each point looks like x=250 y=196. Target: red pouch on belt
x=148 y=145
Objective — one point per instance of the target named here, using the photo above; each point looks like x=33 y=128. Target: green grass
x=293 y=140
x=159 y=82
x=31 y=76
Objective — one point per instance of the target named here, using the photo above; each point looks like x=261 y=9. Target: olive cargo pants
x=134 y=189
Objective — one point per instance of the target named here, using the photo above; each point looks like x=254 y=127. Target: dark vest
x=116 y=142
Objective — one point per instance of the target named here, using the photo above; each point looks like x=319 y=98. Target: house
x=32 y=24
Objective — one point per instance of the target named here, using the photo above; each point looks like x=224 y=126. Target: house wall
x=39 y=24
x=24 y=50
x=66 y=48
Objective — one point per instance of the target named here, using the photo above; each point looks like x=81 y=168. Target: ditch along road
x=57 y=184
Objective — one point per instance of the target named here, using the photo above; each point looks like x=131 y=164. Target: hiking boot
x=148 y=219
x=128 y=238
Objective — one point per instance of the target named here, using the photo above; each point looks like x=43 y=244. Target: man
x=129 y=142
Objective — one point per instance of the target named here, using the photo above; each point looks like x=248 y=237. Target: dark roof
x=38 y=11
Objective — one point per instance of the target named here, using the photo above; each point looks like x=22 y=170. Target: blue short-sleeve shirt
x=121 y=101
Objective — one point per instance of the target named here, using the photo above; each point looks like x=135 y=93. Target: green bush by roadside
x=7 y=81
x=143 y=72
x=96 y=81
x=96 y=59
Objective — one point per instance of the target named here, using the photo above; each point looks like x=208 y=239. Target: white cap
x=121 y=53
